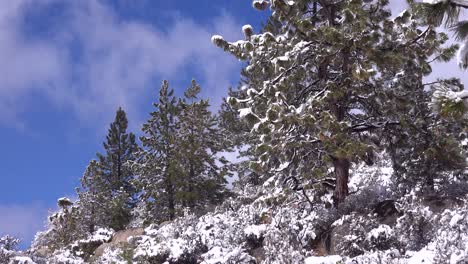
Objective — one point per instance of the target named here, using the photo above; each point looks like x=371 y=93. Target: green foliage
x=332 y=79
x=179 y=167
x=107 y=194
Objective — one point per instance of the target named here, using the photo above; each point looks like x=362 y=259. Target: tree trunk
x=170 y=201
x=342 y=175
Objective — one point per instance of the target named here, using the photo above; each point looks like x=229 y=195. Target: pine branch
x=371 y=126
x=460 y=3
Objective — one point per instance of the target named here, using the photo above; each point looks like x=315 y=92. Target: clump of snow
x=434 y=2
x=462 y=55
x=113 y=256
x=244 y=112
x=333 y=259
x=22 y=260
x=381 y=231
x=66 y=256
x=64 y=202
x=218 y=41
x=100 y=235
x=248 y=31
x=260 y=4
x=425 y=255
x=455 y=219
x=255 y=230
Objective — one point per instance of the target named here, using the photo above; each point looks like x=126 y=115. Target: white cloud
x=25 y=65
x=117 y=62
x=22 y=221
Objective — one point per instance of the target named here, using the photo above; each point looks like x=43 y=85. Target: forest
x=345 y=152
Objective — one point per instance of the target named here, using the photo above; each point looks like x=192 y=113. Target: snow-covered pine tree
x=8 y=246
x=329 y=90
x=447 y=12
x=63 y=227
x=107 y=194
x=240 y=135
x=120 y=148
x=157 y=166
x=199 y=143
x=426 y=148
x=98 y=204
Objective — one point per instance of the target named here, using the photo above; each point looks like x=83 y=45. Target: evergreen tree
x=107 y=194
x=93 y=198
x=333 y=72
x=63 y=227
x=179 y=166
x=120 y=148
x=157 y=165
x=8 y=246
x=447 y=12
x=200 y=141
x=241 y=137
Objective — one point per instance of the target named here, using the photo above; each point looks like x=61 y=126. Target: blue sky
x=68 y=65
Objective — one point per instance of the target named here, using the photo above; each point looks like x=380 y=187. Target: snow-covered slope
x=272 y=224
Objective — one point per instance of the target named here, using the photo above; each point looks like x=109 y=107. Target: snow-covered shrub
x=451 y=239
x=381 y=238
x=64 y=256
x=22 y=260
x=415 y=226
x=84 y=248
x=8 y=246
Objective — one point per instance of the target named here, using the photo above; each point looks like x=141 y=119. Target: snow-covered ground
x=273 y=224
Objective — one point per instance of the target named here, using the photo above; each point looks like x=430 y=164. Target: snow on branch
x=462 y=55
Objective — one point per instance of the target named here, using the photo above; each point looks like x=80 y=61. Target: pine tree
x=93 y=196
x=448 y=13
x=63 y=227
x=107 y=194
x=8 y=246
x=200 y=141
x=157 y=164
x=120 y=148
x=241 y=137
x=333 y=74
x=179 y=167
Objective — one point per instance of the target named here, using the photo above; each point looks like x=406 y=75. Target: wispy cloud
x=95 y=61
x=22 y=220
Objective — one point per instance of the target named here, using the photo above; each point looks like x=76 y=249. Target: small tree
x=199 y=142
x=156 y=165
x=8 y=246
x=107 y=194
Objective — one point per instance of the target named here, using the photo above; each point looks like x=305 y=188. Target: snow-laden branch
x=370 y=126
x=461 y=3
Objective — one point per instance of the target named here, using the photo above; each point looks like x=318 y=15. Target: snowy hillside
x=272 y=224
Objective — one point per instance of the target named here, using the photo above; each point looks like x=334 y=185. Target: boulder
x=123 y=235
x=438 y=204
x=43 y=251
x=335 y=237
x=100 y=250
x=387 y=212
x=120 y=238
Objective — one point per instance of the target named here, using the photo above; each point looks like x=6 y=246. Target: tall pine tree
x=120 y=148
x=157 y=165
x=332 y=71
x=200 y=140
x=106 y=192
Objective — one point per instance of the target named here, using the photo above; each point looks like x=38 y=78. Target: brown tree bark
x=342 y=176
